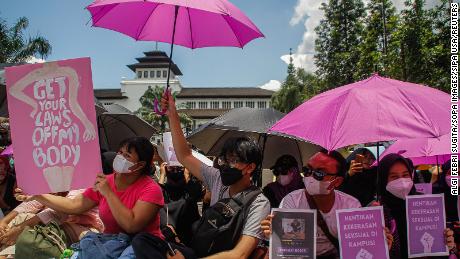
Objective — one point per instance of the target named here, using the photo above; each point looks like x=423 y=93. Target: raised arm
x=74 y=206
x=183 y=151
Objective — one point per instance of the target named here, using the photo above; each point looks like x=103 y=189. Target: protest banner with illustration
x=53 y=125
x=426 y=222
x=361 y=233
x=168 y=148
x=425 y=188
x=293 y=234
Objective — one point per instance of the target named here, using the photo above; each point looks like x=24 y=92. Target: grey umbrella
x=254 y=123
x=119 y=123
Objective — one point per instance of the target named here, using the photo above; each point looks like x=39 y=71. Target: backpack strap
x=244 y=199
x=321 y=222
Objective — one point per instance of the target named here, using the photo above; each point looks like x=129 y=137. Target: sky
x=262 y=63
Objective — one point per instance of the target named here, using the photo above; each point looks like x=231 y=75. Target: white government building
x=200 y=103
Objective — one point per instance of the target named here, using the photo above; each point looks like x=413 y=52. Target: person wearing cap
x=288 y=179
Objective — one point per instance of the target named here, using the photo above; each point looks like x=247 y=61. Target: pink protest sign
x=426 y=221
x=53 y=125
x=362 y=234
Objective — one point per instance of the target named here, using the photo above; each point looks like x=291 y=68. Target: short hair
x=144 y=150
x=245 y=149
x=342 y=165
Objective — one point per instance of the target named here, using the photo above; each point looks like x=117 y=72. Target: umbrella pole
x=176 y=11
x=259 y=178
x=437 y=167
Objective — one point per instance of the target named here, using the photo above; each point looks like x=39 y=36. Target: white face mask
x=400 y=187
x=315 y=187
x=284 y=179
x=121 y=165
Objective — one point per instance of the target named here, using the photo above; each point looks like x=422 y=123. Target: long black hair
x=144 y=150
x=245 y=149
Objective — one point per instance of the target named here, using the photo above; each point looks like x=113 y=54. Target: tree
x=147 y=113
x=290 y=94
x=338 y=37
x=15 y=48
x=378 y=48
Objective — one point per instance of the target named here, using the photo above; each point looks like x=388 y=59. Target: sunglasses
x=317 y=174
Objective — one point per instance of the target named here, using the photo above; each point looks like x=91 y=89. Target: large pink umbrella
x=372 y=110
x=422 y=151
x=189 y=23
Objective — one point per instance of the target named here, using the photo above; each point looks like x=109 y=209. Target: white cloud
x=308 y=12
x=272 y=85
x=33 y=60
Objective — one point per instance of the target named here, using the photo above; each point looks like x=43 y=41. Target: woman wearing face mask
x=288 y=179
x=395 y=184
x=128 y=199
x=7 y=186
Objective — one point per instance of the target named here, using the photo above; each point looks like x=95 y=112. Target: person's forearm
x=179 y=142
x=9 y=217
x=61 y=204
x=123 y=215
x=30 y=222
x=225 y=255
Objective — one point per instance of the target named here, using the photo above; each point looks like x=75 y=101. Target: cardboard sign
x=361 y=233
x=53 y=125
x=293 y=234
x=426 y=221
x=425 y=188
x=169 y=153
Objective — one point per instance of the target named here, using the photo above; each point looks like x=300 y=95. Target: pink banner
x=53 y=125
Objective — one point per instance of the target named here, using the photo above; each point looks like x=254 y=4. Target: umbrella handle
x=157 y=108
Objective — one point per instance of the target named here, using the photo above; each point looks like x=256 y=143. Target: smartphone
x=359 y=158
x=171 y=251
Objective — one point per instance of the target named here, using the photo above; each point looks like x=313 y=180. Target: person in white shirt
x=323 y=174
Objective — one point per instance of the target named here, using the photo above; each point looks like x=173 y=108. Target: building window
x=108 y=103
x=250 y=104
x=214 y=105
x=238 y=104
x=165 y=73
x=262 y=104
x=203 y=105
x=152 y=74
x=226 y=105
x=191 y=105
x=146 y=74
x=158 y=73
x=139 y=74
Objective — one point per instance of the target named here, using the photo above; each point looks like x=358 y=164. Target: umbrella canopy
x=372 y=110
x=197 y=24
x=119 y=123
x=423 y=151
x=254 y=123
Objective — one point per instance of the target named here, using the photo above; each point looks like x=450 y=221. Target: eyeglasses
x=317 y=174
x=224 y=162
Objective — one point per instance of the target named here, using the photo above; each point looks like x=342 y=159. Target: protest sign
x=426 y=222
x=361 y=233
x=293 y=234
x=425 y=188
x=168 y=148
x=53 y=125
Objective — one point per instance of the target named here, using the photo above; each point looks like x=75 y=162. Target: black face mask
x=230 y=175
x=176 y=176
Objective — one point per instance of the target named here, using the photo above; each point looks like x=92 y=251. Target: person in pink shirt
x=128 y=200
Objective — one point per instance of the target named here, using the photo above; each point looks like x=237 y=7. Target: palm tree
x=146 y=111
x=15 y=48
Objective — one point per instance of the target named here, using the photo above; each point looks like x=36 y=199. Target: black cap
x=285 y=162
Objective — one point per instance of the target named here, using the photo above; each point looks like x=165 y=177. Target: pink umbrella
x=423 y=151
x=192 y=24
x=8 y=151
x=372 y=110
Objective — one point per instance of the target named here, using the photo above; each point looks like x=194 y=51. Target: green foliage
x=147 y=112
x=14 y=47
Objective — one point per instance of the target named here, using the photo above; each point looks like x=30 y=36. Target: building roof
x=225 y=92
x=155 y=59
x=109 y=94
x=204 y=113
